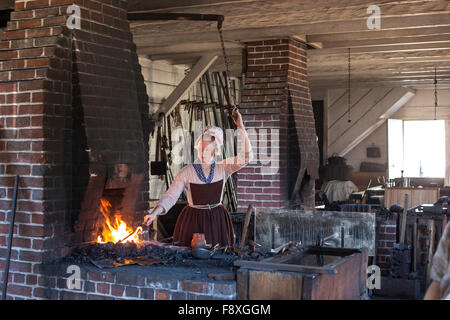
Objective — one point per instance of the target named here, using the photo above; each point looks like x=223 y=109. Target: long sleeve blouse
x=440 y=266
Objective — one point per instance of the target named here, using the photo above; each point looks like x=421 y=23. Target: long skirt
x=215 y=223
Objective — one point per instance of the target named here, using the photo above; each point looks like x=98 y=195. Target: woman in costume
x=204 y=181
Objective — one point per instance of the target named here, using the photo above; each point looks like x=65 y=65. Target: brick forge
x=277 y=110
x=65 y=130
x=131 y=283
x=109 y=112
x=72 y=105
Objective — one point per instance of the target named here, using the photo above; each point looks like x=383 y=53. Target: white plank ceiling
x=414 y=37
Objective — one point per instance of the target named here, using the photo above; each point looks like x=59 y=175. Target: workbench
x=417 y=196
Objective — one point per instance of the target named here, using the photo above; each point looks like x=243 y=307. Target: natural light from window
x=417 y=147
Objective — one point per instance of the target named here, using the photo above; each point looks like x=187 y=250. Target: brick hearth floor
x=131 y=282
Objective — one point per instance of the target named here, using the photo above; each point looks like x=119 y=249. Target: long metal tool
x=10 y=238
x=142 y=16
x=138 y=230
x=225 y=124
x=227 y=64
x=244 y=233
x=414 y=262
x=403 y=226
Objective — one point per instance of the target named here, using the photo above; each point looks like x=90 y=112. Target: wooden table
x=417 y=196
x=343 y=277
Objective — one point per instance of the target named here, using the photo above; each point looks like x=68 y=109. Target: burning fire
x=115 y=230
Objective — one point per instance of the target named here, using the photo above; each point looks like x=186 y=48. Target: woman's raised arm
x=245 y=155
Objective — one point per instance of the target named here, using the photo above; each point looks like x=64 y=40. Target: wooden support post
x=298 y=182
x=191 y=78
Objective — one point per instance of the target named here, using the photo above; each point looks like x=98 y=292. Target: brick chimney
x=73 y=106
x=277 y=109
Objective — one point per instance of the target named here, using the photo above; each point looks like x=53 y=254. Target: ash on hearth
x=124 y=253
x=109 y=255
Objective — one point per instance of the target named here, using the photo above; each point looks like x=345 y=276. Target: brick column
x=386 y=236
x=47 y=73
x=35 y=102
x=277 y=111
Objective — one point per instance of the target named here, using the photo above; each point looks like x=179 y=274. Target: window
x=417 y=147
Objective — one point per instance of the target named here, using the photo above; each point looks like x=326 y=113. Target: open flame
x=115 y=230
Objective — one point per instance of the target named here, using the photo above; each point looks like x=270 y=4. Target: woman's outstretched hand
x=237 y=118
x=148 y=219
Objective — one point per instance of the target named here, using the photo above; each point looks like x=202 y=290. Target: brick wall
x=38 y=109
x=386 y=236
x=35 y=100
x=276 y=103
x=120 y=284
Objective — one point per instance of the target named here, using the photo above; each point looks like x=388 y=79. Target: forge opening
x=108 y=210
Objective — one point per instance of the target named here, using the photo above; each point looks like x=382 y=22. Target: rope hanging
x=435 y=94
x=227 y=64
x=349 y=86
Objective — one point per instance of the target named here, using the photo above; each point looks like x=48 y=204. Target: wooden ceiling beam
x=140 y=5
x=379 y=34
x=386 y=48
x=389 y=41
x=415 y=35
x=380 y=57
x=269 y=5
x=145 y=36
x=194 y=47
x=392 y=77
x=188 y=81
x=191 y=55
x=287 y=12
x=443 y=72
x=317 y=85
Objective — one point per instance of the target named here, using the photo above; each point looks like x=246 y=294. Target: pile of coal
x=121 y=251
